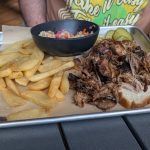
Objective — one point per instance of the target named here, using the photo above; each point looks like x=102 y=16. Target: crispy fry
x=55 y=84
x=5 y=72
x=31 y=72
x=50 y=65
x=15 y=51
x=26 y=51
x=64 y=58
x=39 y=98
x=2 y=82
x=15 y=47
x=15 y=75
x=40 y=85
x=59 y=96
x=41 y=76
x=12 y=99
x=24 y=63
x=28 y=44
x=22 y=81
x=27 y=62
x=64 y=86
x=11 y=85
x=4 y=59
x=28 y=114
x=47 y=60
x=27 y=47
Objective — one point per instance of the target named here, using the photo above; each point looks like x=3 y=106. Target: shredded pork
x=109 y=65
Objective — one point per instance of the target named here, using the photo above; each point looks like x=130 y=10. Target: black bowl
x=65 y=47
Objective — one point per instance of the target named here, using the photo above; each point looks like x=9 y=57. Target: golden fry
x=2 y=83
x=59 y=96
x=4 y=59
x=55 y=84
x=22 y=81
x=47 y=60
x=12 y=99
x=31 y=72
x=28 y=44
x=39 y=98
x=15 y=75
x=6 y=72
x=40 y=85
x=64 y=86
x=15 y=47
x=28 y=114
x=50 y=65
x=27 y=62
x=27 y=47
x=24 y=63
x=26 y=51
x=41 y=76
x=11 y=85
x=64 y=58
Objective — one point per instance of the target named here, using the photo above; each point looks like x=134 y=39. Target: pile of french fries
x=44 y=78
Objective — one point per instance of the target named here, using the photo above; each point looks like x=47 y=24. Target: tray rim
x=77 y=117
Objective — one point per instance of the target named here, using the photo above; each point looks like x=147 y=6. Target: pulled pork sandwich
x=111 y=68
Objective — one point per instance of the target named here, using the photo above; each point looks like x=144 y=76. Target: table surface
x=115 y=133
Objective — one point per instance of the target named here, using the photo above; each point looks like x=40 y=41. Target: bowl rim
x=69 y=39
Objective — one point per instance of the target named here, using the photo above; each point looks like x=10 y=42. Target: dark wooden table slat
x=140 y=126
x=100 y=134
x=44 y=137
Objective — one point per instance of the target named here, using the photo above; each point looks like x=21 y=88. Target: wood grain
x=9 y=13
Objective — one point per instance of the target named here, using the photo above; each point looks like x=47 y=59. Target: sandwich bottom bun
x=129 y=98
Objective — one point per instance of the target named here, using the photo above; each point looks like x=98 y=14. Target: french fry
x=64 y=58
x=50 y=65
x=31 y=72
x=15 y=75
x=27 y=62
x=29 y=43
x=15 y=47
x=55 y=84
x=5 y=72
x=22 y=81
x=47 y=60
x=39 y=98
x=27 y=114
x=4 y=59
x=59 y=96
x=41 y=76
x=27 y=47
x=40 y=85
x=2 y=83
x=24 y=63
x=11 y=85
x=26 y=51
x=64 y=86
x=12 y=99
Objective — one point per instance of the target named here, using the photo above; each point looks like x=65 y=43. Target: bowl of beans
x=65 y=37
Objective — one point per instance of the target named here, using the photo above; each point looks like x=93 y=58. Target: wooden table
x=117 y=133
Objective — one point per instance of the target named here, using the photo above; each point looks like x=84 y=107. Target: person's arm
x=144 y=22
x=33 y=11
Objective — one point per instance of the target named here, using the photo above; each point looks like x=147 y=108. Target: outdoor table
x=114 y=133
